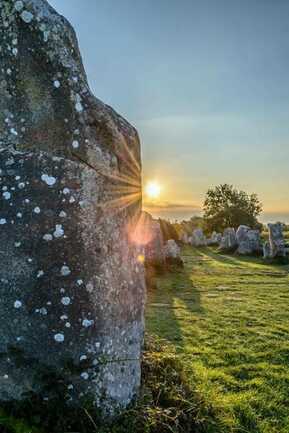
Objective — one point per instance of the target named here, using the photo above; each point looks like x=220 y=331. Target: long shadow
x=181 y=294
x=242 y=261
x=230 y=259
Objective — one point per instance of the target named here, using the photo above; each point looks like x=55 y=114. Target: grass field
x=227 y=318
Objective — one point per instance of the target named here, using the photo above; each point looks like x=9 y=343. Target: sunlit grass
x=228 y=319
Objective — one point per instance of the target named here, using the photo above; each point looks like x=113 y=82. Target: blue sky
x=206 y=84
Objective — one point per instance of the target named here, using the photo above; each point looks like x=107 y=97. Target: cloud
x=166 y=205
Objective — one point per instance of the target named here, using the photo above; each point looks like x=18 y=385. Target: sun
x=153 y=190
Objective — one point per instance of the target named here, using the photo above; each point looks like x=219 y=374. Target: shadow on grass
x=231 y=259
x=178 y=293
x=244 y=261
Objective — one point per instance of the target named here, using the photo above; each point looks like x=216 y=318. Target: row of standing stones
x=157 y=252
x=72 y=289
x=243 y=241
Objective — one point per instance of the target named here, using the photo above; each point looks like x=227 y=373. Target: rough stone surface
x=215 y=239
x=249 y=241
x=198 y=238
x=276 y=240
x=71 y=287
x=172 y=253
x=229 y=240
x=172 y=250
x=266 y=251
x=153 y=241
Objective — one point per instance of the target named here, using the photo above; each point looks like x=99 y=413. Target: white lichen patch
x=27 y=16
x=65 y=300
x=66 y=191
x=49 y=180
x=79 y=107
x=87 y=323
x=6 y=195
x=59 y=338
x=65 y=271
x=59 y=232
x=18 y=5
x=17 y=304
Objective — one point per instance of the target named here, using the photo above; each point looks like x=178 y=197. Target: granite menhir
x=71 y=287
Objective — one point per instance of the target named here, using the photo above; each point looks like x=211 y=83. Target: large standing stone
x=71 y=288
x=249 y=241
x=229 y=240
x=276 y=240
x=198 y=238
x=153 y=241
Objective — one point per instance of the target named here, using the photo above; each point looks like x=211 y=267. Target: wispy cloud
x=166 y=205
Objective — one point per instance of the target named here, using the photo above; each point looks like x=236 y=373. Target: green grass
x=227 y=318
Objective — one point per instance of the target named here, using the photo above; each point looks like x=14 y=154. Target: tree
x=225 y=206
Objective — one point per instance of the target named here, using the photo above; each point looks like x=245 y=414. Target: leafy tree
x=225 y=206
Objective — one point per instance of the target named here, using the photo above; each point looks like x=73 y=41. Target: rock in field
x=172 y=253
x=71 y=287
x=229 y=241
x=153 y=241
x=215 y=239
x=198 y=238
x=276 y=240
x=249 y=241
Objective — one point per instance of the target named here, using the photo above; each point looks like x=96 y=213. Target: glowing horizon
x=210 y=101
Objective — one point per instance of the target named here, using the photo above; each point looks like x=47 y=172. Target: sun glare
x=153 y=190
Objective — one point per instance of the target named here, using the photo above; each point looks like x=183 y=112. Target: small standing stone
x=229 y=240
x=198 y=238
x=276 y=240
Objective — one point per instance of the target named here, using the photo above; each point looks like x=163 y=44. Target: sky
x=206 y=84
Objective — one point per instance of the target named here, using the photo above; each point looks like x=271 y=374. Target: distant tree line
x=224 y=206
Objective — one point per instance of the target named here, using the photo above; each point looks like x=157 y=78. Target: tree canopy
x=225 y=206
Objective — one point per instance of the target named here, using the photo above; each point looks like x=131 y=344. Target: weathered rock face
x=71 y=287
x=276 y=240
x=229 y=240
x=215 y=239
x=249 y=241
x=266 y=251
x=172 y=253
x=172 y=250
x=154 y=241
x=198 y=238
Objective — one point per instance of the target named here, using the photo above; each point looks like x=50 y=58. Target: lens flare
x=153 y=190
